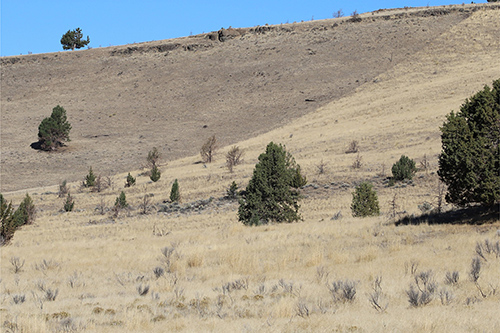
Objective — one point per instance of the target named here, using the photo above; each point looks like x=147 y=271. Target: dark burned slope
x=173 y=94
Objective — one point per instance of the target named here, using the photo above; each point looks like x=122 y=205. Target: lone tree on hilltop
x=271 y=194
x=72 y=40
x=53 y=130
x=469 y=163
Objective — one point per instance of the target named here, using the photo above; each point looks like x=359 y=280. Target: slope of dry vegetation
x=177 y=93
x=200 y=270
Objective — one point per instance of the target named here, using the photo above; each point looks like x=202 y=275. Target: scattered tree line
x=469 y=165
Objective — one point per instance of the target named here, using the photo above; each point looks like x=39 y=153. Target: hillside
x=174 y=94
x=203 y=270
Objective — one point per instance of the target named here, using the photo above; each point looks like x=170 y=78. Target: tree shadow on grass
x=472 y=215
x=36 y=145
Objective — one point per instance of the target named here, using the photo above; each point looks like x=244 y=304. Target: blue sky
x=37 y=26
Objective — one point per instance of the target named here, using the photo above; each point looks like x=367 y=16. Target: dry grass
x=222 y=276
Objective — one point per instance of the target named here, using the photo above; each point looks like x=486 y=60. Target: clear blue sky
x=37 y=25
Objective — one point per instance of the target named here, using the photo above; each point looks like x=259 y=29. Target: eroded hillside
x=173 y=94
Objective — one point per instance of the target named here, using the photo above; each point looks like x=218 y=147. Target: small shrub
x=365 y=201
x=356 y=164
x=153 y=157
x=143 y=290
x=343 y=291
x=158 y=272
x=232 y=191
x=209 y=149
x=321 y=167
x=17 y=264
x=50 y=295
x=144 y=205
x=417 y=297
x=234 y=157
x=425 y=207
x=63 y=189
x=445 y=296
x=404 y=168
x=175 y=195
x=18 y=299
x=302 y=310
x=130 y=180
x=89 y=179
x=353 y=147
x=155 y=174
x=376 y=298
x=100 y=184
x=338 y=14
x=69 y=204
x=452 y=278
x=121 y=201
x=355 y=17
x=475 y=269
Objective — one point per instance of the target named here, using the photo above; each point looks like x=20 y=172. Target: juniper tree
x=175 y=195
x=130 y=180
x=121 y=201
x=469 y=163
x=404 y=168
x=25 y=213
x=7 y=222
x=364 y=201
x=72 y=40
x=90 y=179
x=69 y=203
x=272 y=194
x=53 y=130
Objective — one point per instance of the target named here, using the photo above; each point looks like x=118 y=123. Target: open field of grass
x=200 y=269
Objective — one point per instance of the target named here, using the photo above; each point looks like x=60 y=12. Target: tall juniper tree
x=469 y=163
x=272 y=194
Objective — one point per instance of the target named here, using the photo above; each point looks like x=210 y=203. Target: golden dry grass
x=223 y=276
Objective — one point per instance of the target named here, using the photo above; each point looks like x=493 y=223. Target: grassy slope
x=399 y=114
x=175 y=100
